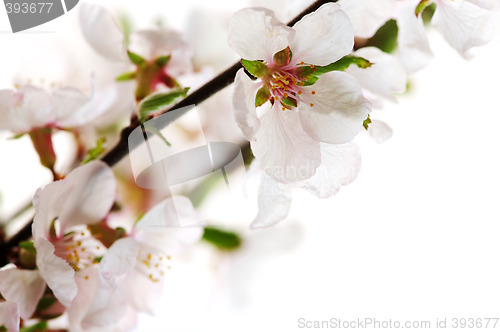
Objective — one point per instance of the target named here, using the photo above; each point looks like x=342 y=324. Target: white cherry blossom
x=293 y=117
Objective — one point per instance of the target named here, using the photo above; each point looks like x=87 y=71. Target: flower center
x=152 y=264
x=79 y=248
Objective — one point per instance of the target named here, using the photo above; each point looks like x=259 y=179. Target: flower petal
x=255 y=34
x=245 y=113
x=338 y=108
x=285 y=152
x=9 y=316
x=23 y=287
x=463 y=25
x=101 y=32
x=323 y=37
x=170 y=226
x=87 y=281
x=119 y=259
x=486 y=4
x=379 y=131
x=275 y=200
x=367 y=16
x=93 y=189
x=385 y=77
x=69 y=107
x=142 y=293
x=414 y=49
x=57 y=273
x=340 y=165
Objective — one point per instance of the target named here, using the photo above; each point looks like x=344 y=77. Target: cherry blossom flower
x=284 y=118
x=9 y=316
x=63 y=209
x=132 y=272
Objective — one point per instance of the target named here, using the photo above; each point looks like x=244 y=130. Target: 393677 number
x=472 y=323
x=25 y=7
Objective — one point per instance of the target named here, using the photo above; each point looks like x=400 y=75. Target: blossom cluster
x=100 y=248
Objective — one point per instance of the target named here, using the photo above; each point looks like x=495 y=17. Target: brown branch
x=121 y=149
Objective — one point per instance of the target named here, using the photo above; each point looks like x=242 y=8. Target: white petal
x=245 y=114
x=385 y=77
x=69 y=107
x=142 y=293
x=323 y=36
x=119 y=259
x=255 y=34
x=9 y=316
x=275 y=200
x=93 y=189
x=486 y=4
x=23 y=287
x=463 y=25
x=101 y=32
x=367 y=16
x=340 y=165
x=339 y=108
x=285 y=152
x=57 y=273
x=170 y=226
x=379 y=131
x=87 y=281
x=414 y=49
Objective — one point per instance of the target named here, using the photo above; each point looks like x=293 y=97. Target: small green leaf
x=158 y=101
x=386 y=37
x=157 y=132
x=45 y=303
x=367 y=122
x=96 y=151
x=289 y=101
x=421 y=6
x=224 y=240
x=428 y=13
x=3 y=328
x=343 y=64
x=162 y=61
x=127 y=76
x=41 y=326
x=28 y=246
x=136 y=58
x=304 y=72
x=283 y=57
x=256 y=68
x=97 y=259
x=17 y=136
x=262 y=96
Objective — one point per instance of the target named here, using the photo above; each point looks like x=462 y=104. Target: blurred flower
x=463 y=23
x=9 y=316
x=332 y=110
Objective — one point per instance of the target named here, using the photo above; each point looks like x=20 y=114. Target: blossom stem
x=121 y=149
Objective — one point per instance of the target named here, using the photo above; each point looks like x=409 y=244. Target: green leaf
x=126 y=76
x=97 y=259
x=162 y=61
x=421 y=6
x=263 y=95
x=367 y=122
x=41 y=326
x=136 y=58
x=289 y=101
x=158 y=101
x=386 y=37
x=256 y=68
x=224 y=240
x=17 y=136
x=96 y=151
x=156 y=131
x=28 y=246
x=343 y=64
x=428 y=13
x=283 y=57
x=45 y=303
x=3 y=328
